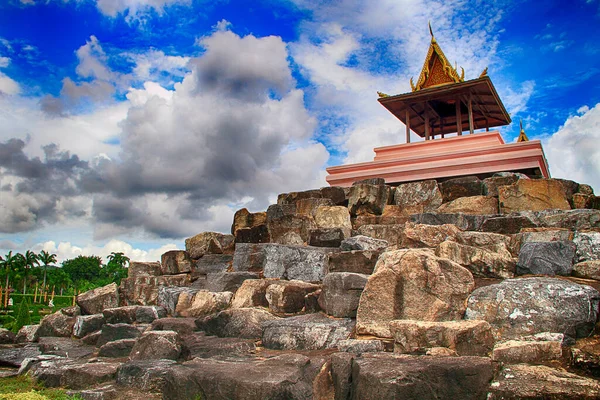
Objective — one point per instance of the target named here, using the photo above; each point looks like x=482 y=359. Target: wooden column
x=458 y=118
x=487 y=124
x=471 y=114
x=407 y=126
x=427 y=127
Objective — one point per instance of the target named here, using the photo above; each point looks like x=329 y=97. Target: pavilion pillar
x=407 y=126
x=427 y=127
x=471 y=114
x=458 y=118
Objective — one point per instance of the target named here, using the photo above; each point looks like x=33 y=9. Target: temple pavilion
x=446 y=110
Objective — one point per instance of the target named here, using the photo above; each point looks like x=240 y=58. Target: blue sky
x=128 y=125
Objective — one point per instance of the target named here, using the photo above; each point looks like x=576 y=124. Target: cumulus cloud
x=572 y=152
x=134 y=8
x=8 y=86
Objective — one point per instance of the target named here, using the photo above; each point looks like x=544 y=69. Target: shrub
x=23 y=317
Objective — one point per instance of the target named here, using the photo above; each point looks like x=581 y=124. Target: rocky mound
x=461 y=289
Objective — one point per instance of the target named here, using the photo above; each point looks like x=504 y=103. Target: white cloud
x=8 y=86
x=4 y=62
x=153 y=63
x=134 y=8
x=573 y=152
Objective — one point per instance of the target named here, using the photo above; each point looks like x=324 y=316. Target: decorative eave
x=437 y=70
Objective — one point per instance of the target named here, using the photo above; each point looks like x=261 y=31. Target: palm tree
x=47 y=259
x=30 y=261
x=9 y=263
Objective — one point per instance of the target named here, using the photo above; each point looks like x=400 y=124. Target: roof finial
x=522 y=136
x=431 y=33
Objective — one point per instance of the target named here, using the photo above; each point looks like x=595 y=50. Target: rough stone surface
x=168 y=297
x=357 y=261
x=474 y=205
x=333 y=217
x=309 y=206
x=587 y=270
x=243 y=219
x=157 y=345
x=279 y=261
x=327 y=237
x=57 y=324
x=202 y=346
x=6 y=336
x=288 y=296
x=523 y=381
x=464 y=186
x=289 y=376
x=211 y=263
x=28 y=333
x=466 y=338
x=256 y=234
x=420 y=235
x=528 y=235
x=143 y=290
x=586 y=201
x=525 y=306
x=367 y=199
x=227 y=281
x=175 y=262
x=294 y=197
x=393 y=234
x=527 y=351
x=96 y=300
x=341 y=374
x=182 y=326
x=203 y=303
x=532 y=195
x=361 y=242
x=491 y=185
x=461 y=221
x=252 y=293
x=481 y=262
x=85 y=324
x=575 y=220
x=336 y=194
x=236 y=322
x=418 y=197
x=14 y=356
x=138 y=268
x=360 y=346
x=112 y=332
x=306 y=332
x=74 y=375
x=546 y=258
x=390 y=376
x=412 y=284
x=341 y=293
x=588 y=245
x=209 y=243
x=65 y=347
x=146 y=375
x=507 y=224
x=493 y=242
x=289 y=229
x=117 y=348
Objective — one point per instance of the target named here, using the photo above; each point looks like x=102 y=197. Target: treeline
x=28 y=272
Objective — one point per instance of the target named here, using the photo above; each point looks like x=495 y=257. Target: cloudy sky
x=129 y=125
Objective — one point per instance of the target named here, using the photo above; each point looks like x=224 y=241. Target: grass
x=24 y=388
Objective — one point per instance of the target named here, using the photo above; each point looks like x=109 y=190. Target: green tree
x=58 y=278
x=46 y=259
x=30 y=261
x=116 y=268
x=23 y=317
x=83 y=268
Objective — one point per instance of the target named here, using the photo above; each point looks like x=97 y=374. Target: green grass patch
x=24 y=388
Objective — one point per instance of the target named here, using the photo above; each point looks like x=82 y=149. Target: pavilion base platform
x=481 y=154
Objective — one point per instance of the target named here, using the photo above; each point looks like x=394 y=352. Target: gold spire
x=522 y=136
x=381 y=94
x=437 y=70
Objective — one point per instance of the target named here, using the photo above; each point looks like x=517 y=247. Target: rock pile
x=465 y=288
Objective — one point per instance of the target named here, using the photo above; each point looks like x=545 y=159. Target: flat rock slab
x=156 y=345
x=65 y=347
x=546 y=258
x=73 y=375
x=96 y=300
x=146 y=375
x=289 y=377
x=183 y=326
x=13 y=355
x=306 y=332
x=527 y=351
x=526 y=306
x=389 y=376
x=303 y=263
x=540 y=382
x=202 y=346
x=236 y=322
x=462 y=221
x=117 y=348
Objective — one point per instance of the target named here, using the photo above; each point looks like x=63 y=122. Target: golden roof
x=437 y=70
x=522 y=136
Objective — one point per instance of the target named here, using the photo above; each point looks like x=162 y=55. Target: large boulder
x=199 y=345
x=412 y=284
x=391 y=376
x=527 y=351
x=327 y=237
x=72 y=374
x=392 y=234
x=244 y=219
x=143 y=290
x=306 y=332
x=15 y=356
x=532 y=195
x=466 y=338
x=95 y=300
x=341 y=293
x=357 y=261
x=309 y=206
x=211 y=263
x=183 y=326
x=202 y=303
x=575 y=220
x=146 y=375
x=85 y=324
x=361 y=242
x=418 y=197
x=255 y=234
x=587 y=270
x=287 y=376
x=462 y=221
x=365 y=198
x=508 y=224
x=227 y=281
x=522 y=381
x=473 y=205
x=209 y=243
x=252 y=293
x=480 y=261
x=157 y=345
x=6 y=336
x=112 y=332
x=57 y=324
x=288 y=228
x=493 y=242
x=491 y=185
x=28 y=334
x=333 y=217
x=175 y=262
x=528 y=235
x=519 y=307
x=588 y=245
x=288 y=296
x=546 y=258
x=421 y=235
x=285 y=262
x=168 y=297
x=236 y=322
x=139 y=268
x=464 y=186
x=117 y=348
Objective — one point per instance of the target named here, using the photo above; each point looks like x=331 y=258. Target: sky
x=129 y=125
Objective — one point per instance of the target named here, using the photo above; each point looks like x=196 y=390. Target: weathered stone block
x=209 y=243
x=308 y=207
x=418 y=197
x=327 y=237
x=341 y=293
x=96 y=300
x=288 y=296
x=138 y=268
x=157 y=345
x=393 y=234
x=202 y=303
x=474 y=205
x=175 y=262
x=368 y=199
x=481 y=262
x=357 y=261
x=243 y=219
x=546 y=258
x=588 y=245
x=533 y=195
x=527 y=351
x=227 y=281
x=252 y=293
x=587 y=270
x=420 y=235
x=236 y=322
x=85 y=324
